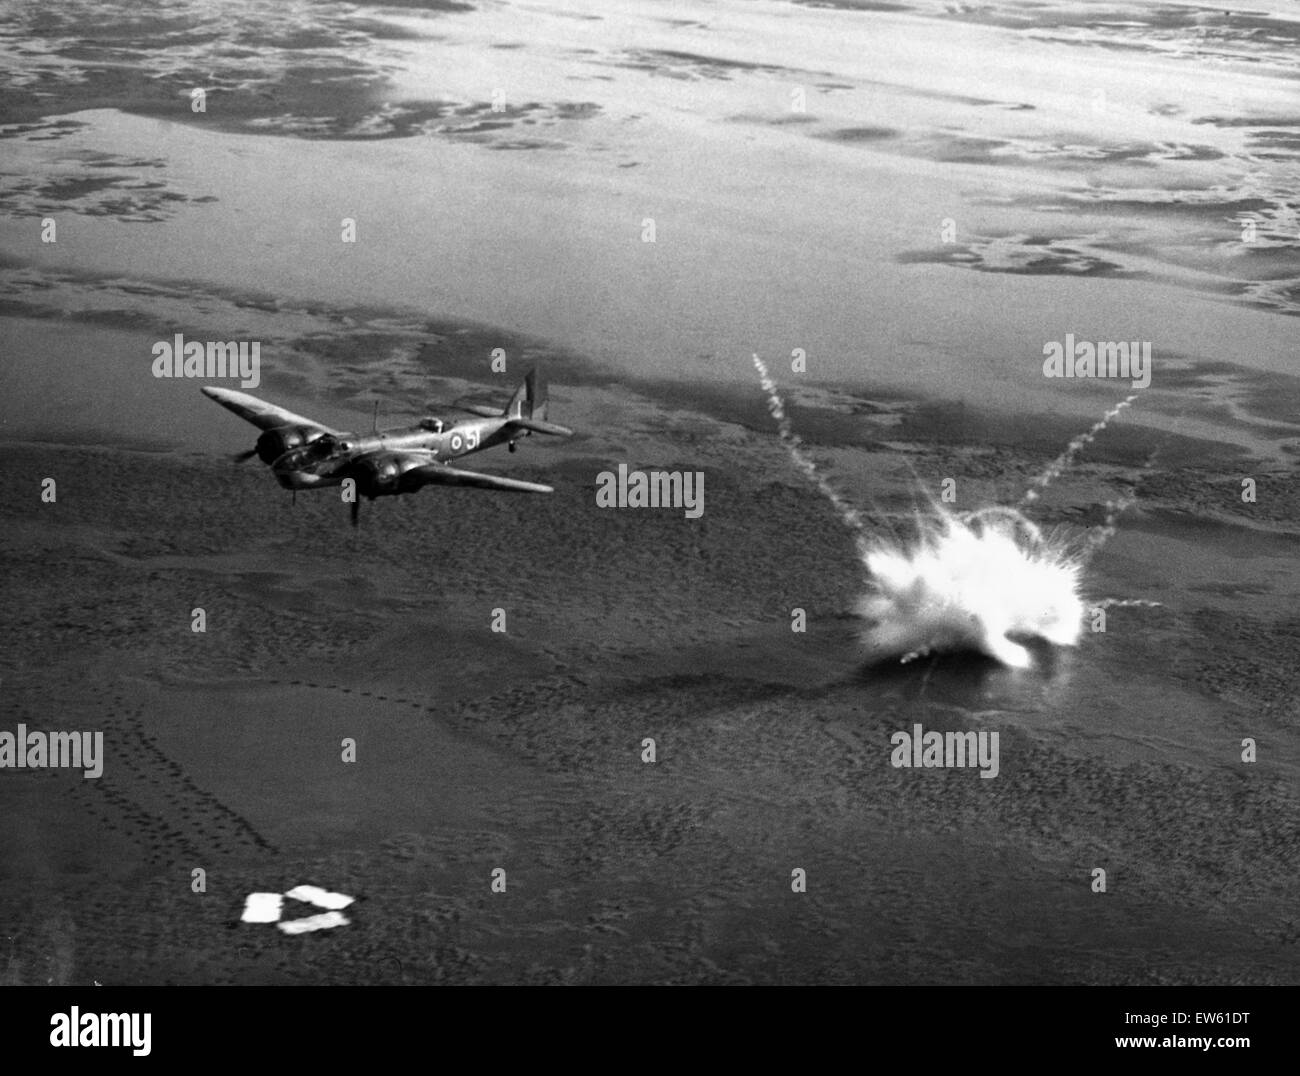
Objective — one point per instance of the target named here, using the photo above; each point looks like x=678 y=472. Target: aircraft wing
x=261 y=414
x=440 y=474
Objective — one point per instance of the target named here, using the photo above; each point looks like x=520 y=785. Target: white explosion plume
x=966 y=580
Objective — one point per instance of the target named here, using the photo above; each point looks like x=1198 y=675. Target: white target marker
x=262 y=907
x=315 y=922
x=268 y=907
x=322 y=898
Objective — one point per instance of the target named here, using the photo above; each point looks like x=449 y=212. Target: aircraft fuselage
x=326 y=461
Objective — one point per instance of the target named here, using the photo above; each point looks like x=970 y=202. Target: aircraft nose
x=291 y=479
x=291 y=460
x=288 y=469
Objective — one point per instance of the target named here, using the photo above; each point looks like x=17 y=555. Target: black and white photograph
x=626 y=493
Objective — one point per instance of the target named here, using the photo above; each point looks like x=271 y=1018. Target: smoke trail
x=849 y=515
x=1126 y=603
x=1058 y=465
x=1099 y=536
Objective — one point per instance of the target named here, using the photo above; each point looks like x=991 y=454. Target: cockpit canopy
x=321 y=448
x=434 y=425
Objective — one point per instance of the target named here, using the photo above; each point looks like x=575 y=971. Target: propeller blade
x=241 y=457
x=356 y=512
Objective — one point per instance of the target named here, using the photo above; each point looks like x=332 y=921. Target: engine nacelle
x=275 y=443
x=379 y=476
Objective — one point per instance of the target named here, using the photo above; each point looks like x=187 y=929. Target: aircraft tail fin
x=529 y=400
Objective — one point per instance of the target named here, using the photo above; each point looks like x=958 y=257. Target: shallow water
x=1096 y=171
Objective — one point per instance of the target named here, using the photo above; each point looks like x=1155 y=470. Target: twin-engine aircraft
x=306 y=455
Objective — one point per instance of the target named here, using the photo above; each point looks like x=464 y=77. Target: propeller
x=242 y=457
x=356 y=511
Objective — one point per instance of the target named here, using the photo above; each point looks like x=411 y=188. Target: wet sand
x=523 y=749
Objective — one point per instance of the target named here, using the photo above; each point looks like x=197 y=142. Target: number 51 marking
x=469 y=442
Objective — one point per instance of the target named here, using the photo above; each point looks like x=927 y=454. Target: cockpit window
x=432 y=424
x=321 y=448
